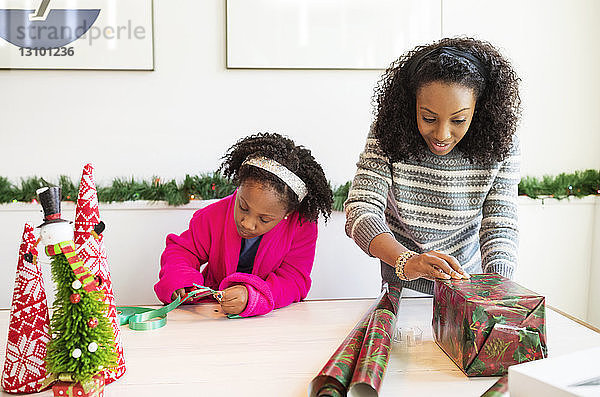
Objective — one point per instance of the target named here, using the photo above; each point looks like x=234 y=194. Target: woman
x=434 y=195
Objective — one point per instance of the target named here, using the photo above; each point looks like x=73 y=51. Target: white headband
x=287 y=176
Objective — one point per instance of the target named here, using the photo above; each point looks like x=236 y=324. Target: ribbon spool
x=141 y=318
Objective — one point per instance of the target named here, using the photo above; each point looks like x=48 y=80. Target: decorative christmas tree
x=82 y=343
x=82 y=339
x=28 y=334
x=93 y=254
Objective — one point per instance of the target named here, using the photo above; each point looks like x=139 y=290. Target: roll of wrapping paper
x=498 y=389
x=374 y=353
x=337 y=375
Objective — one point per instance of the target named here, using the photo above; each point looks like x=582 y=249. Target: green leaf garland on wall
x=215 y=186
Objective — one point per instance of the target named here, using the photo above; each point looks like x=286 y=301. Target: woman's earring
x=285 y=217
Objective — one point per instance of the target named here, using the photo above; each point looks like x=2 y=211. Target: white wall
x=182 y=117
x=555 y=252
x=553 y=45
x=593 y=314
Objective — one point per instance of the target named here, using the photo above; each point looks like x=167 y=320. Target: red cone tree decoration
x=28 y=331
x=93 y=254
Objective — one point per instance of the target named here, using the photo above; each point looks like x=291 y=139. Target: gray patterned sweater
x=440 y=203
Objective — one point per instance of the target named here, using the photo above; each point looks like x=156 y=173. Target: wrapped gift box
x=487 y=323
x=95 y=388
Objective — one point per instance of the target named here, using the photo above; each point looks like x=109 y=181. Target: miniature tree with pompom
x=82 y=337
x=82 y=343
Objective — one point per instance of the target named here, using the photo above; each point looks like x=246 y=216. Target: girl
x=258 y=243
x=435 y=192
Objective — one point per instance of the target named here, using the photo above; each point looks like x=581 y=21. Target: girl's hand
x=178 y=292
x=234 y=299
x=432 y=265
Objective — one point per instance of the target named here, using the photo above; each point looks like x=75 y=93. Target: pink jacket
x=282 y=266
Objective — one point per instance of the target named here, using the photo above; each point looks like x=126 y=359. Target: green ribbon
x=145 y=319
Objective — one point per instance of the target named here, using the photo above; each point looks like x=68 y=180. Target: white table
x=202 y=353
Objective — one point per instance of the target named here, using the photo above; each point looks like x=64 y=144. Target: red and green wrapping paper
x=375 y=350
x=69 y=389
x=361 y=359
x=498 y=389
x=487 y=323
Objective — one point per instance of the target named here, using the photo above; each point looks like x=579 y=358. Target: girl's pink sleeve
x=181 y=260
x=289 y=283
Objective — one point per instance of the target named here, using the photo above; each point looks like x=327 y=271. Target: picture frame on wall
x=77 y=34
x=327 y=34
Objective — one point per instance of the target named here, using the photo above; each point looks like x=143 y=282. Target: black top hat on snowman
x=49 y=198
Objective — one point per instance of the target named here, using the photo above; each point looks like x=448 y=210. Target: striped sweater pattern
x=439 y=203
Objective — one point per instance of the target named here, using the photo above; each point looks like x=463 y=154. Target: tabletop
x=202 y=352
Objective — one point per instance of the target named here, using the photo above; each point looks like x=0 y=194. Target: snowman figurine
x=56 y=237
x=54 y=230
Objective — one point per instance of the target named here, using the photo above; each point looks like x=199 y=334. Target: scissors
x=202 y=291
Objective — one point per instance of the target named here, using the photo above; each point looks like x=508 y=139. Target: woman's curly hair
x=297 y=159
x=497 y=109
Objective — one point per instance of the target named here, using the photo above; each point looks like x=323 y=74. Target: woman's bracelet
x=401 y=261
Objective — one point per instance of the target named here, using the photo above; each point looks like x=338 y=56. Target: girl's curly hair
x=297 y=159
x=497 y=109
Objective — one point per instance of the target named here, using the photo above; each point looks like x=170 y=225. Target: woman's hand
x=432 y=265
x=178 y=292
x=234 y=299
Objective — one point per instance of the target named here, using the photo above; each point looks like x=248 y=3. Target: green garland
x=215 y=186
x=578 y=184
x=198 y=187
x=340 y=194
